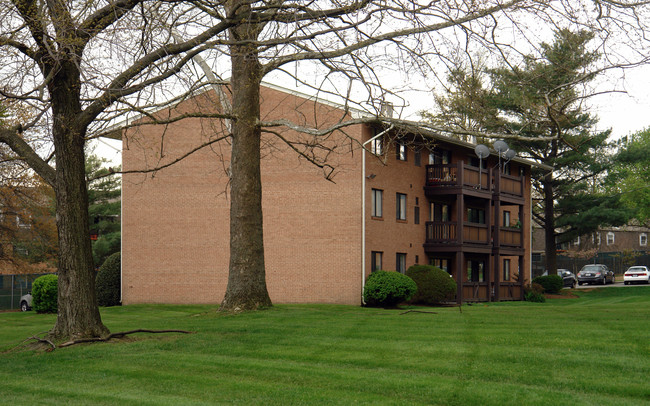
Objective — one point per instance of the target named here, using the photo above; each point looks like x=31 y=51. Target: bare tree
x=81 y=65
x=74 y=65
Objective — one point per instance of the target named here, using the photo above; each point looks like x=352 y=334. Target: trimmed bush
x=551 y=283
x=45 y=291
x=434 y=285
x=388 y=289
x=108 y=281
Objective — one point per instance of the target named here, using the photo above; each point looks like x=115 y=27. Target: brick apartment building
x=410 y=198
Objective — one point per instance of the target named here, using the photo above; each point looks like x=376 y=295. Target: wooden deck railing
x=459 y=174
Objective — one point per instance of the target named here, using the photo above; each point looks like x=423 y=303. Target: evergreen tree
x=104 y=205
x=630 y=176
x=541 y=105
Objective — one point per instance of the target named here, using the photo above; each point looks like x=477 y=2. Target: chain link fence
x=13 y=287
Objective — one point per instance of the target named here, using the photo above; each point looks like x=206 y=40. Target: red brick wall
x=176 y=222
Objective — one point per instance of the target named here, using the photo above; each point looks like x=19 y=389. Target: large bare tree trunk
x=78 y=314
x=247 y=277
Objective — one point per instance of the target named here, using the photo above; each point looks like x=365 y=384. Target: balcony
x=451 y=178
x=446 y=232
x=442 y=234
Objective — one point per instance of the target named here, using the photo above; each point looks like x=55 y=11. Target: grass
x=586 y=351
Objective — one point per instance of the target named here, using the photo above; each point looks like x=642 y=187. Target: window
x=22 y=224
x=475 y=271
x=416 y=215
x=377 y=203
x=417 y=259
x=417 y=158
x=375 y=260
x=576 y=242
x=400 y=206
x=441 y=263
x=475 y=162
x=439 y=212
x=643 y=240
x=440 y=157
x=506 y=269
x=400 y=262
x=475 y=215
x=377 y=146
x=595 y=238
x=610 y=238
x=506 y=219
x=400 y=149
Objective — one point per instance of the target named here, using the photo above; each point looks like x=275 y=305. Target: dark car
x=595 y=273
x=568 y=278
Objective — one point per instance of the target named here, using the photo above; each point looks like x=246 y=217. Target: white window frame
x=643 y=239
x=576 y=242
x=613 y=239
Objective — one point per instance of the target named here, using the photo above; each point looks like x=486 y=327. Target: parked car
x=26 y=302
x=595 y=273
x=568 y=278
x=636 y=274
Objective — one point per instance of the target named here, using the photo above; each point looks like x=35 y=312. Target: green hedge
x=434 y=285
x=550 y=283
x=45 y=291
x=388 y=289
x=108 y=281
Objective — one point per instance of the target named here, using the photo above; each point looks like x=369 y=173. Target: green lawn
x=594 y=350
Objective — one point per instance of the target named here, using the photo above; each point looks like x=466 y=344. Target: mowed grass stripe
x=496 y=354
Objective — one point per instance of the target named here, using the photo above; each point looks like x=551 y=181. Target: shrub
x=108 y=281
x=45 y=290
x=533 y=293
x=388 y=289
x=551 y=283
x=434 y=284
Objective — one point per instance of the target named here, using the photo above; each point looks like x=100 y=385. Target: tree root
x=102 y=339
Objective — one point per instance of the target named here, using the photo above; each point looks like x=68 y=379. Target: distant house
x=616 y=247
x=412 y=197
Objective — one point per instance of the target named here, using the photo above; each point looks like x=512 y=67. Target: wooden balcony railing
x=441 y=232
x=461 y=175
x=510 y=237
x=445 y=232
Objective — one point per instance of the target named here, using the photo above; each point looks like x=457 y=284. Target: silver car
x=595 y=273
x=26 y=302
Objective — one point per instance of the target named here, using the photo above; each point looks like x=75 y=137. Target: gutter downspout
x=363 y=208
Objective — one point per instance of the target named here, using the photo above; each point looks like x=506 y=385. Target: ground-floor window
x=506 y=269
x=375 y=260
x=441 y=263
x=400 y=262
x=475 y=271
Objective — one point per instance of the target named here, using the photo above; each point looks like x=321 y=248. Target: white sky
x=625 y=113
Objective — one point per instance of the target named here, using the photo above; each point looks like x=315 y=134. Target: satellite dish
x=482 y=151
x=511 y=153
x=500 y=146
